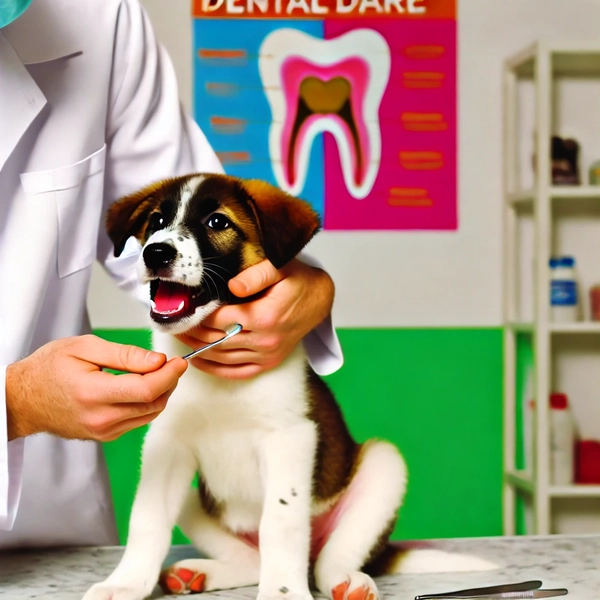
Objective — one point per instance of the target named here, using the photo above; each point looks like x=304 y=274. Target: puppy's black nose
x=158 y=256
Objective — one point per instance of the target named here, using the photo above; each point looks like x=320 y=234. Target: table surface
x=559 y=561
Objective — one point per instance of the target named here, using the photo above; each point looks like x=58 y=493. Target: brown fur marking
x=383 y=556
x=336 y=450
x=208 y=501
x=274 y=209
x=129 y=215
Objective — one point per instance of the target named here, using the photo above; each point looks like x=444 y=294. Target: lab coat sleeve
x=11 y=465
x=323 y=348
x=149 y=137
x=322 y=344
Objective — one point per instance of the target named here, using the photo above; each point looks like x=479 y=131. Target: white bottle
x=564 y=303
x=562 y=441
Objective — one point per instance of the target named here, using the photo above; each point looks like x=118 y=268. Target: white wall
x=409 y=279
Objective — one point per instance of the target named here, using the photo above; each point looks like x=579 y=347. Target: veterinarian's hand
x=62 y=389
x=296 y=299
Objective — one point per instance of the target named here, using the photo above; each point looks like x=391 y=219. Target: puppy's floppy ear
x=129 y=216
x=286 y=223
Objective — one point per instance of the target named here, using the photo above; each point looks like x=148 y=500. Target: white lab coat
x=89 y=111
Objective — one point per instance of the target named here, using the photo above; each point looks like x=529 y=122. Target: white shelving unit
x=539 y=66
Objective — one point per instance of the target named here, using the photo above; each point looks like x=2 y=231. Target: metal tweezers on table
x=507 y=591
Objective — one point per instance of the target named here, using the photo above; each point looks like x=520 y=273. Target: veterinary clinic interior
x=436 y=311
x=461 y=226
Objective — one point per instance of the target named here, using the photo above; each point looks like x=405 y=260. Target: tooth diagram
x=315 y=85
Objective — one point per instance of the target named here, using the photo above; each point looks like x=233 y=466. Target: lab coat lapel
x=21 y=99
x=42 y=34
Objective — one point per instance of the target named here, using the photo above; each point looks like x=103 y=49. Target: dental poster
x=349 y=104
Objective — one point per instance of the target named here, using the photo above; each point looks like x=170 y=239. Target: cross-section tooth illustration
x=315 y=85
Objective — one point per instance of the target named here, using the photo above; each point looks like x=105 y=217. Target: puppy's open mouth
x=171 y=301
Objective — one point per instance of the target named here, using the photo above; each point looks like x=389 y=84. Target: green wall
x=435 y=393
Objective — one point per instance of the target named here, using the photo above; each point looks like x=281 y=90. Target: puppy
x=284 y=491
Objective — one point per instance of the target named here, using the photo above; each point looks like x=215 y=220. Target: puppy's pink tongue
x=171 y=297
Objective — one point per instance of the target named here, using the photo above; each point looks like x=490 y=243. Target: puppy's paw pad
x=103 y=591
x=181 y=581
x=361 y=593
x=197 y=584
x=339 y=591
x=358 y=586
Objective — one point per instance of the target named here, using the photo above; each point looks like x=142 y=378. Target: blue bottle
x=564 y=303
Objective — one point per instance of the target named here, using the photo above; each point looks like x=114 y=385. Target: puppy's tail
x=402 y=558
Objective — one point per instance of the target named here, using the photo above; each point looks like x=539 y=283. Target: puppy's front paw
x=179 y=580
x=357 y=586
x=108 y=591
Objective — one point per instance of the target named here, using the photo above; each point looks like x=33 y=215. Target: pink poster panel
x=390 y=163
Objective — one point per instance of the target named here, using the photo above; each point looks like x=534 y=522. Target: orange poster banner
x=323 y=9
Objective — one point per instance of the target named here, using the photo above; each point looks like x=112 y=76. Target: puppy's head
x=199 y=231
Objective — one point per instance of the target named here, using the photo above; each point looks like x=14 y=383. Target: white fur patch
x=187 y=193
x=187 y=267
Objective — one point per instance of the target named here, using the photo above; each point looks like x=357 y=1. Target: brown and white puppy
x=285 y=493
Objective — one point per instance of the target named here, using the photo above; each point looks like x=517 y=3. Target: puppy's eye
x=156 y=221
x=218 y=222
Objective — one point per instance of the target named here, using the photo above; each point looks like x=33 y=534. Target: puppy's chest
x=225 y=424
x=230 y=465
x=230 y=457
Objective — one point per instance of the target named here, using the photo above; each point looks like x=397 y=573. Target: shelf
x=521 y=327
x=557 y=328
x=575 y=191
x=521 y=198
x=541 y=218
x=571 y=58
x=579 y=327
x=577 y=491
x=521 y=480
x=557 y=192
x=523 y=62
